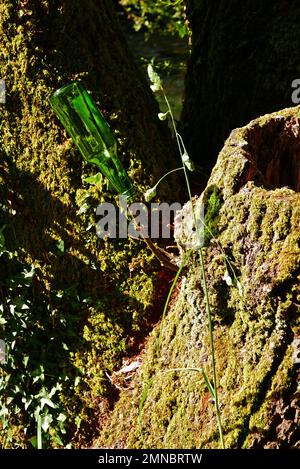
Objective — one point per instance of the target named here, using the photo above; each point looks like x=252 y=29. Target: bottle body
x=79 y=114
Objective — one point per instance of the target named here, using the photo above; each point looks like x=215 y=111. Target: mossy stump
x=256 y=318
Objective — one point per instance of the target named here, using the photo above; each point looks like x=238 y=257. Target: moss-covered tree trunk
x=88 y=295
x=245 y=55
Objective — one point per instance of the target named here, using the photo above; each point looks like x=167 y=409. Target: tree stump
x=255 y=297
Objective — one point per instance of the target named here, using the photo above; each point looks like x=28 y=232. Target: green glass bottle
x=85 y=124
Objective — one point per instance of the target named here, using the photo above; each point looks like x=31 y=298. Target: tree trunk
x=245 y=56
x=84 y=296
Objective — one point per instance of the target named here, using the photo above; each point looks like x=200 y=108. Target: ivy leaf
x=26 y=402
x=28 y=273
x=48 y=402
x=24 y=278
x=46 y=421
x=25 y=360
x=61 y=417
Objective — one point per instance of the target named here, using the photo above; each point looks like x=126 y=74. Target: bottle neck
x=129 y=194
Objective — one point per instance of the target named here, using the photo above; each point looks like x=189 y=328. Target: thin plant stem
x=145 y=392
x=205 y=288
x=178 y=143
x=212 y=347
x=205 y=377
x=167 y=174
x=143 y=399
x=202 y=221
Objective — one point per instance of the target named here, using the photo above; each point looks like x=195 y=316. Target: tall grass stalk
x=183 y=153
x=202 y=372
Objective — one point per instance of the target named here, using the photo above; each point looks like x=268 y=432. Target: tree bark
x=44 y=44
x=244 y=58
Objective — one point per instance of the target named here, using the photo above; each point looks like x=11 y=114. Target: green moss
x=261 y=421
x=211 y=214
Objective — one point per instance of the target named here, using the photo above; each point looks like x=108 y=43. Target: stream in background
x=170 y=54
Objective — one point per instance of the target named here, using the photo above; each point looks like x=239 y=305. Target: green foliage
x=36 y=368
x=60 y=343
x=152 y=16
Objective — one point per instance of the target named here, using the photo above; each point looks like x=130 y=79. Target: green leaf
x=46 y=421
x=25 y=360
x=33 y=441
x=153 y=76
x=48 y=402
x=61 y=417
x=78 y=421
x=2 y=239
x=155 y=88
x=94 y=180
x=56 y=438
x=26 y=402
x=24 y=277
x=143 y=399
x=28 y=273
x=84 y=208
x=58 y=248
x=77 y=381
x=233 y=281
x=205 y=377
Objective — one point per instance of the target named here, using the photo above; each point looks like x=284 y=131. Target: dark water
x=170 y=54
